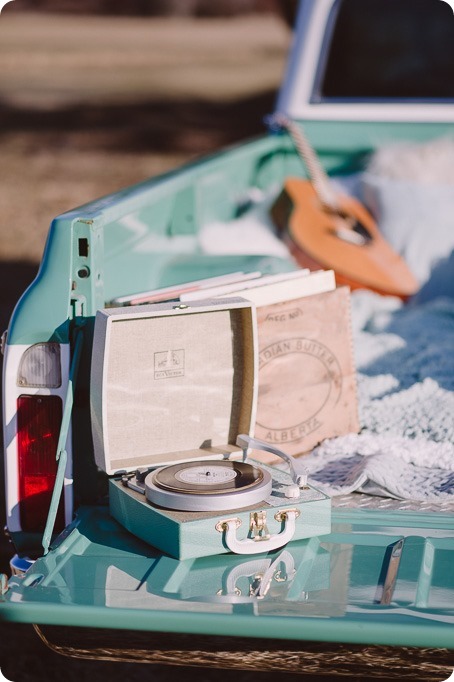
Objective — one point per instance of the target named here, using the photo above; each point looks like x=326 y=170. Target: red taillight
x=38 y=428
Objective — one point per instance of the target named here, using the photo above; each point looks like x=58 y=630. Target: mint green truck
x=361 y=74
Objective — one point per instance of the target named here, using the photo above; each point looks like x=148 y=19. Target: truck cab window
x=389 y=49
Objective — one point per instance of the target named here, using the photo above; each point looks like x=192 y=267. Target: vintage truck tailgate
x=379 y=577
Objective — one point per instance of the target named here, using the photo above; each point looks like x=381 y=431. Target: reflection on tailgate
x=366 y=582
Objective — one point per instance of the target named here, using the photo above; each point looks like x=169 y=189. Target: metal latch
x=257 y=526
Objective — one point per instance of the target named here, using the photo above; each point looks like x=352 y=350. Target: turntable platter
x=208 y=486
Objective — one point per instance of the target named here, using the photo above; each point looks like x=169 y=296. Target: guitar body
x=346 y=240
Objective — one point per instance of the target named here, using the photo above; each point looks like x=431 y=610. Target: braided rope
x=319 y=178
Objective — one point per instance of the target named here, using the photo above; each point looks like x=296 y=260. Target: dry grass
x=56 y=60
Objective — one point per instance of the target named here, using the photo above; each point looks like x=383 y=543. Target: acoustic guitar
x=324 y=229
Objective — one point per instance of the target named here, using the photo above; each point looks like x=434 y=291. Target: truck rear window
x=390 y=49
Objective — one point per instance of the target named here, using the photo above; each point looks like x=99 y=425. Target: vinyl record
x=208 y=485
x=202 y=478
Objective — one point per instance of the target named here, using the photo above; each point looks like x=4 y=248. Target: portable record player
x=173 y=400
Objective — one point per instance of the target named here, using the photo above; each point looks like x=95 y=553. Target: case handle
x=261 y=541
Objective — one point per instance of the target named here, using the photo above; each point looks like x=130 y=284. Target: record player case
x=172 y=384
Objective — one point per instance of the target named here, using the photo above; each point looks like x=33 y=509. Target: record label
x=203 y=475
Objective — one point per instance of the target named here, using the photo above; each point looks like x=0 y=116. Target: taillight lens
x=40 y=366
x=38 y=428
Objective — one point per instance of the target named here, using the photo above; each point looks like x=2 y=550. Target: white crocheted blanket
x=405 y=361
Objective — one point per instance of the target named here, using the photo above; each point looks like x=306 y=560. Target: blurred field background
x=90 y=103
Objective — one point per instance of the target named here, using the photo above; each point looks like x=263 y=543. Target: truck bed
x=381 y=577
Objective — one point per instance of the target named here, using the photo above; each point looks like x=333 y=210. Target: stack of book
x=307 y=380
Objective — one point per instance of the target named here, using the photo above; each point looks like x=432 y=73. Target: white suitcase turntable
x=174 y=393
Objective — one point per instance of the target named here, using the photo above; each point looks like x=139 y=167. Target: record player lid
x=172 y=383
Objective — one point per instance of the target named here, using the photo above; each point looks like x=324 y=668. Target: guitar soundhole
x=361 y=231
x=352 y=230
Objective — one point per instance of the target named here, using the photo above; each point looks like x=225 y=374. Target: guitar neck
x=319 y=178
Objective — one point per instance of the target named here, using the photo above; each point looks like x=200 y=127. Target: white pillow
x=416 y=218
x=409 y=188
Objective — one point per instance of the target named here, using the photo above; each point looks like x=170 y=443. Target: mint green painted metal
x=42 y=312
x=347 y=138
x=146 y=236
x=132 y=242
x=62 y=454
x=326 y=588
